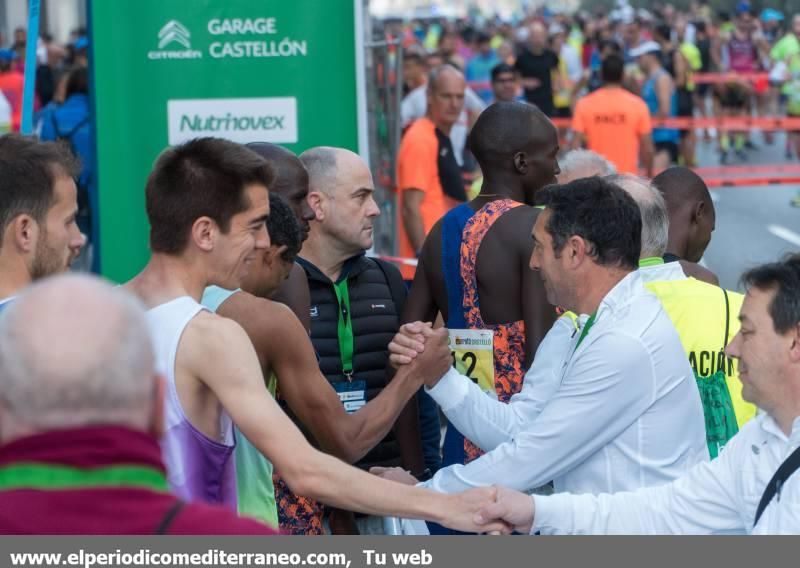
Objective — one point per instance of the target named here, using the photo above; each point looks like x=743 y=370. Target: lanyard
x=48 y=476
x=651 y=261
x=345 y=328
x=585 y=330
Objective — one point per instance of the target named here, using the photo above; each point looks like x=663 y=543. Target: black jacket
x=375 y=310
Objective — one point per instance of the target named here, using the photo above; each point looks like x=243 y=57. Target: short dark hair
x=204 y=177
x=599 y=211
x=611 y=44
x=501 y=68
x=29 y=169
x=283 y=227
x=78 y=81
x=784 y=278
x=414 y=57
x=612 y=69
x=663 y=31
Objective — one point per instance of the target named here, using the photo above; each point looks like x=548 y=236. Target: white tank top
x=198 y=468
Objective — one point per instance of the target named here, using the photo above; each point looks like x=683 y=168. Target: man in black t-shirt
x=536 y=64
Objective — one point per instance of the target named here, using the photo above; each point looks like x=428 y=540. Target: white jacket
x=717 y=496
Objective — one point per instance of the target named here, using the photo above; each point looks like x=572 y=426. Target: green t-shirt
x=254 y=489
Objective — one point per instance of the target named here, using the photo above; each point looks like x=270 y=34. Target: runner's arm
x=664 y=88
x=218 y=352
x=646 y=153
x=275 y=331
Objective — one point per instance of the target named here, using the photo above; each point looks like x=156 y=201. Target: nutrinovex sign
x=164 y=73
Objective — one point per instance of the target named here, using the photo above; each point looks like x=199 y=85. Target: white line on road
x=785 y=234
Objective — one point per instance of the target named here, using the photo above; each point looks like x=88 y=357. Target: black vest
x=375 y=318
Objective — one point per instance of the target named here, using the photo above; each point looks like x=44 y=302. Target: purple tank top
x=742 y=55
x=199 y=468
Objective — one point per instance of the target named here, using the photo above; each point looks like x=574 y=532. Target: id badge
x=473 y=356
x=352 y=394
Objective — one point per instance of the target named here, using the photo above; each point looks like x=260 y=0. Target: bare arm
x=681 y=66
x=277 y=334
x=412 y=216
x=664 y=93
x=217 y=352
x=646 y=152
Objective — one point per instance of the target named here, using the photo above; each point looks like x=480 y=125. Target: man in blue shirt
x=480 y=67
x=71 y=122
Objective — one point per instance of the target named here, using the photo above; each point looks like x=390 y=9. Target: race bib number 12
x=473 y=356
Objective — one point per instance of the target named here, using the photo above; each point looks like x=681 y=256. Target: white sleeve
x=703 y=501
x=472 y=102
x=488 y=422
x=413 y=107
x=598 y=386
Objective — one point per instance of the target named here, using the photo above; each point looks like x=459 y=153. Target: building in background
x=57 y=18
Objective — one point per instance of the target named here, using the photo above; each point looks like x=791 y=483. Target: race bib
x=352 y=394
x=473 y=356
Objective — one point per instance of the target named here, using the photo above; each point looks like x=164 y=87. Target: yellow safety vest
x=698 y=311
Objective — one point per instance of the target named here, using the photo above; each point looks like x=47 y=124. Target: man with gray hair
x=429 y=181
x=81 y=411
x=578 y=164
x=705 y=316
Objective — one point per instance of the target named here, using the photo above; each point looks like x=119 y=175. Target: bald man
x=691 y=220
x=291 y=183
x=474 y=269
x=81 y=416
x=356 y=301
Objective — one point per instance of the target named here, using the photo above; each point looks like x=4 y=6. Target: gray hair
x=578 y=164
x=437 y=72
x=74 y=352
x=655 y=219
x=320 y=163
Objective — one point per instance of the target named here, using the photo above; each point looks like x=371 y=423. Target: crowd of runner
x=592 y=377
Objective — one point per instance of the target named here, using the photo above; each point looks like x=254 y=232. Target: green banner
x=167 y=71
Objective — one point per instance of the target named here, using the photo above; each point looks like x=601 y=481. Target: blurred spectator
x=11 y=85
x=480 y=67
x=71 y=122
x=505 y=83
x=536 y=65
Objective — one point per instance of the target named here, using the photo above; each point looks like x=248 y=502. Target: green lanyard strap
x=345 y=328
x=651 y=261
x=47 y=476
x=585 y=330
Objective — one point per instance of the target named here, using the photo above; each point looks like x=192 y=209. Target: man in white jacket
x=752 y=486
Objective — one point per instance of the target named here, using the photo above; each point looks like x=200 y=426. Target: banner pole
x=29 y=92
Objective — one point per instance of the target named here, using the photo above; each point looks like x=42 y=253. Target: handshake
x=491 y=510
x=422 y=352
